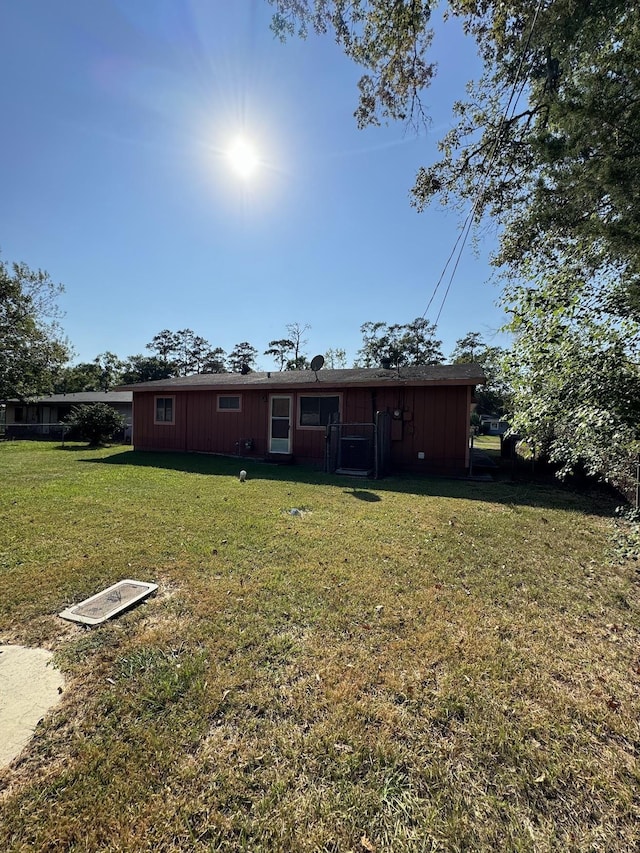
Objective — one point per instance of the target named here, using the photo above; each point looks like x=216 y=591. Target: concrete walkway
x=29 y=687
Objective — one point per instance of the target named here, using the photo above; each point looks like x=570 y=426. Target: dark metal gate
x=359 y=449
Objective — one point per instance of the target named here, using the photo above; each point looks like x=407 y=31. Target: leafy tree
x=418 y=343
x=144 y=368
x=546 y=143
x=547 y=138
x=95 y=422
x=242 y=356
x=335 y=358
x=281 y=351
x=375 y=344
x=165 y=344
x=493 y=398
x=84 y=376
x=105 y=371
x=109 y=369
x=576 y=383
x=214 y=361
x=299 y=363
x=401 y=344
x=184 y=353
x=389 y=38
x=32 y=349
x=184 y=360
x=467 y=348
x=191 y=352
x=287 y=352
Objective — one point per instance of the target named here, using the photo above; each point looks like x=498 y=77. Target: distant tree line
x=184 y=353
x=34 y=358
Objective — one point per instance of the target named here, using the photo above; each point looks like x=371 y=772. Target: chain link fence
x=359 y=448
x=52 y=432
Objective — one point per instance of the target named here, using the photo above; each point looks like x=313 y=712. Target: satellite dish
x=316 y=363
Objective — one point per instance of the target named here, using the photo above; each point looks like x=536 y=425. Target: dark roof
x=437 y=374
x=82 y=397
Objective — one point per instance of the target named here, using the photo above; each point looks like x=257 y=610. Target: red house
x=365 y=420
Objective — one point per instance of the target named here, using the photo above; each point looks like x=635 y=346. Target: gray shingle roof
x=437 y=374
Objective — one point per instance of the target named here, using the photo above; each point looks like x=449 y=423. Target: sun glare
x=243 y=159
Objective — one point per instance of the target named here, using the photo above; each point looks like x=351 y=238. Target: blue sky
x=114 y=178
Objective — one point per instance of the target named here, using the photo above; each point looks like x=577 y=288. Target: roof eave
x=305 y=386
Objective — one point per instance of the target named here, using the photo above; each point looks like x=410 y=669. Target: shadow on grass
x=547 y=494
x=74 y=448
x=363 y=495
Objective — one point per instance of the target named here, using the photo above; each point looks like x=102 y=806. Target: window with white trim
x=164 y=410
x=229 y=403
x=318 y=411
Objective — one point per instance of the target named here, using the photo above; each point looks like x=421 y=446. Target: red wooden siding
x=433 y=420
x=198 y=426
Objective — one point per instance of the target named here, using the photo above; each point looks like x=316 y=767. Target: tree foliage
x=73 y=379
x=399 y=344
x=184 y=353
x=144 y=368
x=335 y=358
x=388 y=39
x=547 y=143
x=288 y=352
x=95 y=422
x=548 y=140
x=32 y=349
x=281 y=351
x=575 y=382
x=242 y=357
x=101 y=374
x=494 y=397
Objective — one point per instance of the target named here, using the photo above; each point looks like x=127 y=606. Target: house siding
x=433 y=420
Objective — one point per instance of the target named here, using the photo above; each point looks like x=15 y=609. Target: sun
x=243 y=158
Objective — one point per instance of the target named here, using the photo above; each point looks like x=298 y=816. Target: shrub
x=95 y=422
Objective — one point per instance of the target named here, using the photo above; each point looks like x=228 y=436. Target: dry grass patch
x=427 y=665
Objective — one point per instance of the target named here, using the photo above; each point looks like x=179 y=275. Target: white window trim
x=229 y=411
x=173 y=409
x=337 y=394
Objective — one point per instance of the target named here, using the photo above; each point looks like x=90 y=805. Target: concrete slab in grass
x=29 y=687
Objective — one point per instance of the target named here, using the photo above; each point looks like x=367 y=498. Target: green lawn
x=488 y=443
x=408 y=664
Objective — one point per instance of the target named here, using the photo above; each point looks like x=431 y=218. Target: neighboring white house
x=492 y=425
x=43 y=416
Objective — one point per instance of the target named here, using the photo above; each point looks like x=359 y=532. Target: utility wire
x=468 y=223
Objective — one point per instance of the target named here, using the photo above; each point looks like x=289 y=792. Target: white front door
x=280 y=424
x=46 y=418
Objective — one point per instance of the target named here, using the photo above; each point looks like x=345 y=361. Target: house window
x=319 y=411
x=229 y=403
x=18 y=414
x=164 y=410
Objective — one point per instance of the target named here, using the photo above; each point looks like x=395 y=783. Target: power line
x=468 y=223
